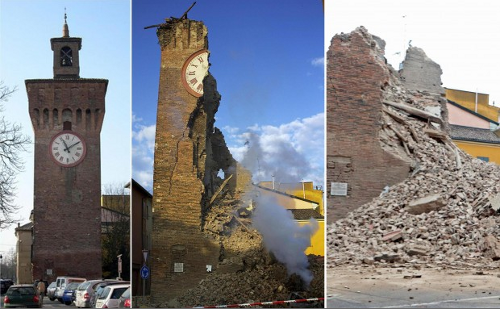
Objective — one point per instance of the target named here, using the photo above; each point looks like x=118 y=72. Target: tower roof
x=65 y=26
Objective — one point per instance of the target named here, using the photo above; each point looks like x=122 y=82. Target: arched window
x=66 y=56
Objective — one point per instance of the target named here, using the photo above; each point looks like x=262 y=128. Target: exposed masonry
x=67 y=192
x=443 y=211
x=189 y=153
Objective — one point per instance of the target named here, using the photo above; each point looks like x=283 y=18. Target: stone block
x=425 y=204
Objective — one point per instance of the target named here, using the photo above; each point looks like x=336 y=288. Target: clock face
x=194 y=70
x=67 y=149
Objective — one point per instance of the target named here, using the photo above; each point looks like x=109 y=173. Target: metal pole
x=119 y=266
x=143 y=291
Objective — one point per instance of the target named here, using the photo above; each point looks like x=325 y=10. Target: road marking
x=444 y=301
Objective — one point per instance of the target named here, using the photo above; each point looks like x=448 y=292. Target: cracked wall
x=189 y=152
x=356 y=79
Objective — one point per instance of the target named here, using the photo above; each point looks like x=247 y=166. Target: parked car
x=22 y=295
x=62 y=282
x=100 y=288
x=125 y=299
x=51 y=291
x=84 y=293
x=5 y=284
x=110 y=296
x=67 y=297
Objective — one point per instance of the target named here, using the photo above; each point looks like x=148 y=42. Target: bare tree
x=12 y=143
x=116 y=231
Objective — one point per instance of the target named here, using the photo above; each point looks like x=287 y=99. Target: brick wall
x=356 y=76
x=179 y=169
x=67 y=212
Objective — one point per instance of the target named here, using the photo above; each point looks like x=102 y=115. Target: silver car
x=51 y=291
x=84 y=293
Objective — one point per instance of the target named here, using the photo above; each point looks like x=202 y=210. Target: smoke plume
x=284 y=237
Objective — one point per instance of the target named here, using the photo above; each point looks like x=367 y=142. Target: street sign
x=144 y=272
x=145 y=255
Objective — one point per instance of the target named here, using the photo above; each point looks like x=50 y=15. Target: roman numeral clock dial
x=193 y=71
x=67 y=149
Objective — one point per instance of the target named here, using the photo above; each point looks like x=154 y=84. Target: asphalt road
x=397 y=300
x=404 y=288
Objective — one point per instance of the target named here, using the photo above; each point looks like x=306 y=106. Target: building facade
x=67 y=114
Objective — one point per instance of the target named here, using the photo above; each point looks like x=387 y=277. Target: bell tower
x=66 y=54
x=67 y=114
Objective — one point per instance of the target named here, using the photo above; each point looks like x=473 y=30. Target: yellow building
x=476 y=102
x=477 y=133
x=305 y=190
x=291 y=197
x=23 y=248
x=483 y=144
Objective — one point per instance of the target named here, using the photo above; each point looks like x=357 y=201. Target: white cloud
x=291 y=152
x=135 y=118
x=143 y=137
x=231 y=130
x=318 y=62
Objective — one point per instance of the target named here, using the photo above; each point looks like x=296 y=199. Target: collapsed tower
x=189 y=154
x=416 y=199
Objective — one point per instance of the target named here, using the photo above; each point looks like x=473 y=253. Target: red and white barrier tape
x=277 y=302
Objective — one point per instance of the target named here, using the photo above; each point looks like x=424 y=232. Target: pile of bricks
x=444 y=214
x=265 y=280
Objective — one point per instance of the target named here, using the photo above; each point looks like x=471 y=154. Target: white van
x=62 y=282
x=110 y=297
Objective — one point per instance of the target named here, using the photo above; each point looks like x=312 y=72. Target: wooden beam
x=220 y=189
x=415 y=111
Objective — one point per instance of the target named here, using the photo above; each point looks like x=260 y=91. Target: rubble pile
x=445 y=214
x=266 y=280
x=246 y=272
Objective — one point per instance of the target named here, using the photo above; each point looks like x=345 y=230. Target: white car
x=62 y=282
x=110 y=297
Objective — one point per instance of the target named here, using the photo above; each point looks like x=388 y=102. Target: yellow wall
x=24 y=241
x=468 y=100
x=317 y=240
x=475 y=149
x=297 y=190
x=313 y=195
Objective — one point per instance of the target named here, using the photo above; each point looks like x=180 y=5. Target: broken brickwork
x=189 y=152
x=444 y=214
x=356 y=78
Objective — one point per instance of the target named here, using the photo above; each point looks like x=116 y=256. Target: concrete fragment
x=425 y=204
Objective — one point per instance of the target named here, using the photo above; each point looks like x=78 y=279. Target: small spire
x=65 y=26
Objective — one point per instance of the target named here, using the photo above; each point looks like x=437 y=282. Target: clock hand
x=65 y=146
x=73 y=145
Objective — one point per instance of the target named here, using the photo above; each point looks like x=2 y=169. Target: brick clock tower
x=181 y=254
x=67 y=114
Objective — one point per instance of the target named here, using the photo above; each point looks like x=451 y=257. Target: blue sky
x=267 y=58
x=26 y=28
